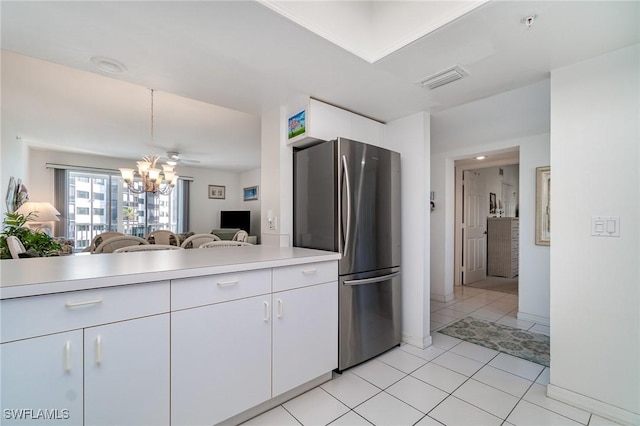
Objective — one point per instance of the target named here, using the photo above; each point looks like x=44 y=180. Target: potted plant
x=36 y=244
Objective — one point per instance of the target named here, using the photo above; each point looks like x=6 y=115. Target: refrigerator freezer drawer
x=369 y=318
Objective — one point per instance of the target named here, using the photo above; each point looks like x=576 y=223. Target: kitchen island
x=165 y=337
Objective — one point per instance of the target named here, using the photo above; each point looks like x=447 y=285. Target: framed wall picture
x=250 y=193
x=297 y=124
x=492 y=203
x=217 y=192
x=543 y=206
x=10 y=198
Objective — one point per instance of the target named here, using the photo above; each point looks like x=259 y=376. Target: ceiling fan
x=173 y=156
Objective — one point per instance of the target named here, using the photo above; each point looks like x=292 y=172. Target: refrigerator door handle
x=372 y=280
x=345 y=170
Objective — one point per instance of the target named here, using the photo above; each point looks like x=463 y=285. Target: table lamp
x=41 y=212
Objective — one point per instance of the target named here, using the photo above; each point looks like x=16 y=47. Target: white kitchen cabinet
x=126 y=372
x=305 y=335
x=250 y=344
x=50 y=349
x=220 y=360
x=42 y=379
x=326 y=122
x=196 y=350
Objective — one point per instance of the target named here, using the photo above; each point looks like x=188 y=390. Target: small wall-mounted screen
x=236 y=219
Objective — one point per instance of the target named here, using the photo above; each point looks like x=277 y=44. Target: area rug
x=523 y=344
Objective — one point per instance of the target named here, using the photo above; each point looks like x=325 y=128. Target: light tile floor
x=449 y=383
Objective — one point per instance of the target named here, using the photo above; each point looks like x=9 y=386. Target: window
x=98 y=202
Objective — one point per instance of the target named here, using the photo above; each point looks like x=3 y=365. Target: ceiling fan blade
x=175 y=156
x=188 y=161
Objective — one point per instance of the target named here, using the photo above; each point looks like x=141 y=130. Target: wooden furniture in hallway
x=502 y=246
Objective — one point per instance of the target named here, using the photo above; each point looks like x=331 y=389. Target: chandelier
x=152 y=178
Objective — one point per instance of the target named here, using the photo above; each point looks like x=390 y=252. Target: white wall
x=533 y=280
x=410 y=137
x=493 y=183
x=204 y=212
x=13 y=159
x=509 y=115
x=276 y=176
x=519 y=118
x=595 y=281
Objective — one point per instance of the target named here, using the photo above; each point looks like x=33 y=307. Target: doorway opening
x=487 y=216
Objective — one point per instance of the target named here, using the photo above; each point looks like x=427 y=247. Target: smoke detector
x=528 y=21
x=443 y=77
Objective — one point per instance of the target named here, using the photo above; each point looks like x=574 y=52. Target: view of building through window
x=99 y=202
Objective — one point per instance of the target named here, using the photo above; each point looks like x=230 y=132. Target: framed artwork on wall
x=492 y=203
x=250 y=193
x=543 y=206
x=297 y=125
x=217 y=192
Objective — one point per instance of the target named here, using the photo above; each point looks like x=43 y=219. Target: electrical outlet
x=272 y=223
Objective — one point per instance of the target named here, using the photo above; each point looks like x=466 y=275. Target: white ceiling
x=217 y=66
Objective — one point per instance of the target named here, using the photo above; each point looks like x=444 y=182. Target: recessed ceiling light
x=480 y=157
x=108 y=65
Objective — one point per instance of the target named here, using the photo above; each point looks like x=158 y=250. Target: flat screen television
x=236 y=219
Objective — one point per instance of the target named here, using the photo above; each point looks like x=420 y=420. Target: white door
x=509 y=197
x=42 y=380
x=126 y=368
x=305 y=335
x=220 y=360
x=474 y=227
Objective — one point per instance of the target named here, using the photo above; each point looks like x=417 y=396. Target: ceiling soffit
x=372 y=30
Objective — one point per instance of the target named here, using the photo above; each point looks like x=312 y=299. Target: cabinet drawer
x=289 y=277
x=209 y=289
x=39 y=315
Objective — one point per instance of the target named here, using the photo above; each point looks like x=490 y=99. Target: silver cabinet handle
x=279 y=308
x=99 y=350
x=309 y=271
x=228 y=283
x=67 y=356
x=266 y=311
x=88 y=302
x=372 y=280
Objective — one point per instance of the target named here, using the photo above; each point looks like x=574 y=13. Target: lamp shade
x=42 y=211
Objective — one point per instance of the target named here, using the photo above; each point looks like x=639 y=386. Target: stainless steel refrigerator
x=347 y=199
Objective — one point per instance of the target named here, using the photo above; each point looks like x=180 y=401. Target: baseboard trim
x=274 y=402
x=533 y=318
x=442 y=298
x=594 y=406
x=416 y=341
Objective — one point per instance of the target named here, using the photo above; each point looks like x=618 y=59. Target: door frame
x=460 y=166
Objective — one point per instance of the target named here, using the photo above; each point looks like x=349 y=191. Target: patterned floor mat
x=523 y=344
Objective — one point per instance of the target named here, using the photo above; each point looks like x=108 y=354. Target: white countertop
x=34 y=276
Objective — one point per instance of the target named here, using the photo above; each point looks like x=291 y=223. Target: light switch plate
x=605 y=226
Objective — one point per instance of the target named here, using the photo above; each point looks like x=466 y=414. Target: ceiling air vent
x=443 y=77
